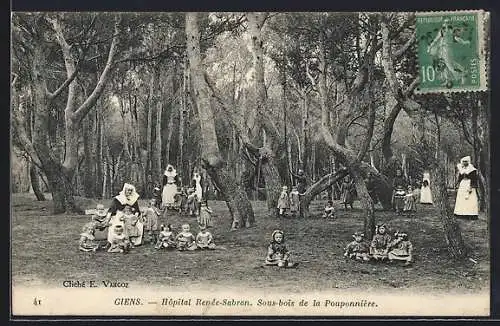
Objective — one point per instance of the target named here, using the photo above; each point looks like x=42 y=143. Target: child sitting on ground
x=87 y=238
x=380 y=243
x=150 y=220
x=204 y=239
x=401 y=249
x=205 y=217
x=185 y=239
x=277 y=252
x=283 y=202
x=329 y=210
x=410 y=203
x=358 y=249
x=119 y=241
x=294 y=202
x=166 y=238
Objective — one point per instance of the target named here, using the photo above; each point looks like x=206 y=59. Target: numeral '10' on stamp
x=451 y=55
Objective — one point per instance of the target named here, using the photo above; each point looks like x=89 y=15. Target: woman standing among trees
x=169 y=184
x=466 y=204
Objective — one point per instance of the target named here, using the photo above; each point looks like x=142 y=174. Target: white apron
x=198 y=189
x=425 y=195
x=466 y=203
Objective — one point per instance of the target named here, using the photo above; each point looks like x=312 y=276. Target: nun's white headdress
x=130 y=199
x=172 y=173
x=465 y=169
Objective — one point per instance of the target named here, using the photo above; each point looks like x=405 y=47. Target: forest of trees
x=99 y=99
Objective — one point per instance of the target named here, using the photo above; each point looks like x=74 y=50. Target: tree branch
x=101 y=83
x=399 y=52
x=69 y=63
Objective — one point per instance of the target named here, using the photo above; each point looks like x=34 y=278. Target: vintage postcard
x=250 y=164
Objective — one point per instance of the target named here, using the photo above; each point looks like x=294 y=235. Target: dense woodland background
x=99 y=99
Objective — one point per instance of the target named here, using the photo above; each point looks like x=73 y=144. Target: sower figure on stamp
x=441 y=49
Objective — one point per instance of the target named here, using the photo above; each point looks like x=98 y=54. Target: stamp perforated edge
x=483 y=23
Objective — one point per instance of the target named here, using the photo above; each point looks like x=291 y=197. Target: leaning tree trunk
x=35 y=183
x=236 y=199
x=452 y=232
x=321 y=185
x=366 y=202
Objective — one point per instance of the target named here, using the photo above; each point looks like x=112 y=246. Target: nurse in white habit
x=425 y=190
x=466 y=204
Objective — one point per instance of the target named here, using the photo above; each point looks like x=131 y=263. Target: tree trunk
x=99 y=156
x=182 y=116
x=452 y=232
x=35 y=183
x=157 y=150
x=269 y=169
x=388 y=128
x=235 y=197
x=321 y=185
x=88 y=173
x=149 y=126
x=366 y=202
x=170 y=131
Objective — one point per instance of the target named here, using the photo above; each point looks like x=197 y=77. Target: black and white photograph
x=250 y=163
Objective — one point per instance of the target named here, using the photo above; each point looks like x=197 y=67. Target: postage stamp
x=451 y=51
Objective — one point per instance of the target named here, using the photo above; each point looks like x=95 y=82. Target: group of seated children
x=382 y=247
x=288 y=203
x=185 y=240
x=127 y=234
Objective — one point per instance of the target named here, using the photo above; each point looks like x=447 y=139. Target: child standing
x=347 y=190
x=150 y=221
x=185 y=239
x=283 y=202
x=329 y=210
x=192 y=203
x=358 y=249
x=166 y=238
x=204 y=239
x=401 y=249
x=410 y=203
x=180 y=199
x=380 y=243
x=133 y=227
x=294 y=201
x=157 y=196
x=277 y=252
x=119 y=241
x=205 y=217
x=87 y=238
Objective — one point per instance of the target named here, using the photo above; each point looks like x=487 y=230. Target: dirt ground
x=45 y=251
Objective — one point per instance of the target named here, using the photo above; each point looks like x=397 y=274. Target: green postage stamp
x=451 y=53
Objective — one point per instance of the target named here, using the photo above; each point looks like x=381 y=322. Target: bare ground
x=45 y=251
